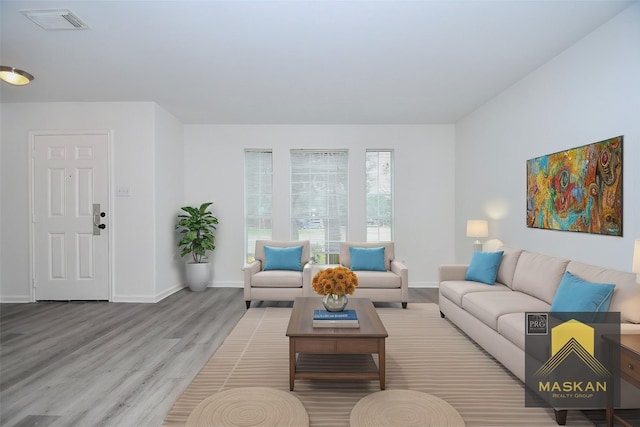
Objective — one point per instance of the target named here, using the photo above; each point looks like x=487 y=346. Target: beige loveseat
x=276 y=285
x=493 y=315
x=391 y=285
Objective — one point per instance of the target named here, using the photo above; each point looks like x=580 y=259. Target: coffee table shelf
x=337 y=367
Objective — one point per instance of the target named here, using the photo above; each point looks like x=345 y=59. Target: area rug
x=249 y=406
x=424 y=353
x=404 y=408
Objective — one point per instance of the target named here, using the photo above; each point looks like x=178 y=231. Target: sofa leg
x=442 y=315
x=248 y=304
x=561 y=416
x=404 y=305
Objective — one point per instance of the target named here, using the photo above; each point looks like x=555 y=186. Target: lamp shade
x=636 y=257
x=14 y=76
x=477 y=228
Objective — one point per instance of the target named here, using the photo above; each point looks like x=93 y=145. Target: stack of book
x=337 y=319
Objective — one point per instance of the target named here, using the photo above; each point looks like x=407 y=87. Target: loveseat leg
x=442 y=315
x=561 y=416
x=404 y=305
x=248 y=304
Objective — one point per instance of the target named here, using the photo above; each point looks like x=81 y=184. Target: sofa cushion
x=577 y=295
x=538 y=275
x=508 y=265
x=389 y=252
x=367 y=259
x=484 y=267
x=512 y=327
x=454 y=290
x=489 y=306
x=260 y=245
x=277 y=279
x=626 y=295
x=378 y=279
x=283 y=258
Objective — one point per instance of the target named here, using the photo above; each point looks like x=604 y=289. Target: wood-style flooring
x=113 y=364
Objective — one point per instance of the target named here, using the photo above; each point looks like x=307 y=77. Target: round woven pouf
x=249 y=406
x=404 y=408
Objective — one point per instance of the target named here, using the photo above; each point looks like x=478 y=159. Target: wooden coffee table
x=336 y=353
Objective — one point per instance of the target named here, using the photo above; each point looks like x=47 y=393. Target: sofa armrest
x=448 y=272
x=401 y=270
x=307 y=290
x=249 y=270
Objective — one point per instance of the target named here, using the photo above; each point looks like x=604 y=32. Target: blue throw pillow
x=577 y=295
x=483 y=267
x=289 y=258
x=369 y=259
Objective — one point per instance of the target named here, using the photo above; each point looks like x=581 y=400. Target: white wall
x=169 y=195
x=588 y=93
x=2 y=240
x=444 y=174
x=424 y=197
x=133 y=218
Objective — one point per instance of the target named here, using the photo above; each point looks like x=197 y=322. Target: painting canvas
x=578 y=189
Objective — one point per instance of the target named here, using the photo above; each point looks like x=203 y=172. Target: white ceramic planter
x=197 y=276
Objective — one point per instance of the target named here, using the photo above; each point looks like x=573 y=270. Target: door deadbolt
x=97 y=226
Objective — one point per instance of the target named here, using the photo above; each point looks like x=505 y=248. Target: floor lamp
x=477 y=228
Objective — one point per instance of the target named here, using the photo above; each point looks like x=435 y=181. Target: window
x=258 y=190
x=379 y=170
x=319 y=201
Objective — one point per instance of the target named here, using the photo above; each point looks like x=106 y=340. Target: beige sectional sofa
x=493 y=315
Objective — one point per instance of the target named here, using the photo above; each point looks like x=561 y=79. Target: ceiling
x=294 y=62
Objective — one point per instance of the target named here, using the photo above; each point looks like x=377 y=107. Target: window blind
x=258 y=190
x=319 y=201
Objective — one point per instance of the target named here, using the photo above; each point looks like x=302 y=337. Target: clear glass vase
x=333 y=302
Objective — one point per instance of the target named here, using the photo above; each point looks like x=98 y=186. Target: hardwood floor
x=113 y=364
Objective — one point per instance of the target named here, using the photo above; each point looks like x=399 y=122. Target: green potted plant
x=197 y=226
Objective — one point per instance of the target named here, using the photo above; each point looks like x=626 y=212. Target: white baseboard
x=162 y=295
x=424 y=284
x=134 y=299
x=146 y=298
x=14 y=299
x=226 y=285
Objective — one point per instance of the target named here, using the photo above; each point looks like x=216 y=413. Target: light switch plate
x=123 y=191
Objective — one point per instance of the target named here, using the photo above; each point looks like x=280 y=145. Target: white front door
x=70 y=176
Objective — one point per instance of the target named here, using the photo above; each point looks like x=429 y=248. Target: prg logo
x=537 y=323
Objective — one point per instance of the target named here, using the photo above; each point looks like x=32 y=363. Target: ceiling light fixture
x=14 y=76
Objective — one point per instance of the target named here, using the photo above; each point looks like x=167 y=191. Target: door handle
x=97 y=226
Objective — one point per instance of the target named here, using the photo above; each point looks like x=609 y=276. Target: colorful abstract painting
x=577 y=190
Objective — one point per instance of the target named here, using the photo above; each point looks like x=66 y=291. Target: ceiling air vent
x=55 y=19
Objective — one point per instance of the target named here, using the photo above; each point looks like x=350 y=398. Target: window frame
x=376 y=224
x=261 y=233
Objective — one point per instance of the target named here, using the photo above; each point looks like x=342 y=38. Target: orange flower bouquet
x=337 y=281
